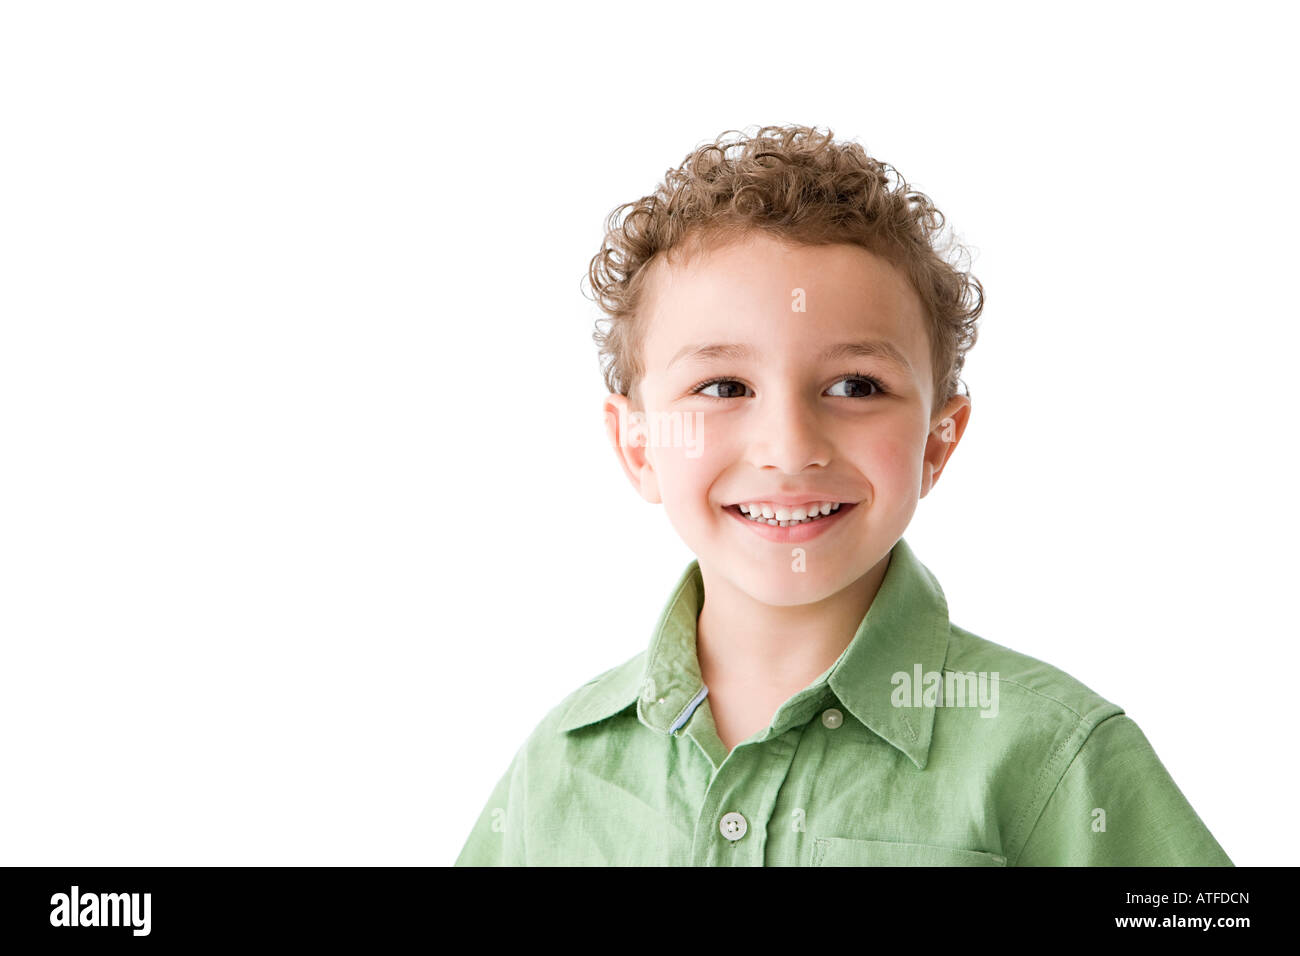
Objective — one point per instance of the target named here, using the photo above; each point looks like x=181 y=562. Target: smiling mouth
x=774 y=522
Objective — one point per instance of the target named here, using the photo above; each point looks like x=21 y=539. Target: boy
x=805 y=699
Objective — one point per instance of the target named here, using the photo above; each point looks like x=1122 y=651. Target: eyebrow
x=865 y=348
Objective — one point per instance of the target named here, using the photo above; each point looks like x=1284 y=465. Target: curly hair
x=799 y=185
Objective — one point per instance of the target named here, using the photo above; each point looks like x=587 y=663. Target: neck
x=771 y=650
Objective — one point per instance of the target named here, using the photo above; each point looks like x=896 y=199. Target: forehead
x=751 y=291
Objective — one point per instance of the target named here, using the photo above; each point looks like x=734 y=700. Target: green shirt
x=1001 y=761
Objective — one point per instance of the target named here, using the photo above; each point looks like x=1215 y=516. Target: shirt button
x=832 y=718
x=733 y=826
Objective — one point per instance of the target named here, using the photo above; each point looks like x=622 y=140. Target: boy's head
x=791 y=250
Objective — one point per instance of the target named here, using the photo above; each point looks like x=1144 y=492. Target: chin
x=785 y=587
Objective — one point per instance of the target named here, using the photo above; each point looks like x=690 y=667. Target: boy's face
x=786 y=420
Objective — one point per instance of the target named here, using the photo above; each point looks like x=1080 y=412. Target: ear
x=943 y=439
x=627 y=433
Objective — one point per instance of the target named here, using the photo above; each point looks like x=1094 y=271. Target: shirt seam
x=1024 y=687
x=1065 y=770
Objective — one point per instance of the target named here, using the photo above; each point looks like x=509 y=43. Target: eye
x=861 y=383
x=863 y=386
x=699 y=389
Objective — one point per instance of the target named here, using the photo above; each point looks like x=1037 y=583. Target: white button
x=733 y=826
x=832 y=718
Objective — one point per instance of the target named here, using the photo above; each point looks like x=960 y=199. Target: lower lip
x=792 y=533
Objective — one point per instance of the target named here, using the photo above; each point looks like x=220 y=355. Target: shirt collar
x=905 y=629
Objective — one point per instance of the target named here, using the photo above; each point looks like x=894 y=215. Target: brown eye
x=726 y=385
x=860 y=386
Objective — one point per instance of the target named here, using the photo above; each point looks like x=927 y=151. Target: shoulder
x=608 y=693
x=1045 y=719
x=1028 y=688
x=605 y=695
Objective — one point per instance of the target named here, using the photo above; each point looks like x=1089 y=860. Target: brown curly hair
x=799 y=185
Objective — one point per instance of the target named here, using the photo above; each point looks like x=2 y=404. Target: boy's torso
x=816 y=787
x=922 y=745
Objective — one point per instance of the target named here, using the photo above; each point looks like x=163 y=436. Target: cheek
x=892 y=462
x=686 y=474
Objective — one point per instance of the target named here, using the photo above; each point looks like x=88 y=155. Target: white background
x=306 y=512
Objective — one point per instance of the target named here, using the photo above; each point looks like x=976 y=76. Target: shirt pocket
x=839 y=851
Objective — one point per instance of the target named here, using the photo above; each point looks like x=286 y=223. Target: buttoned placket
x=731 y=826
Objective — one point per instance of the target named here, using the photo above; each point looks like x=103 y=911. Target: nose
x=787 y=433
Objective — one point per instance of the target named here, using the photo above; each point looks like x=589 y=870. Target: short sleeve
x=1116 y=805
x=497 y=838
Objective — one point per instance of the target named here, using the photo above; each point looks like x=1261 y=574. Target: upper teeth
x=781 y=513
